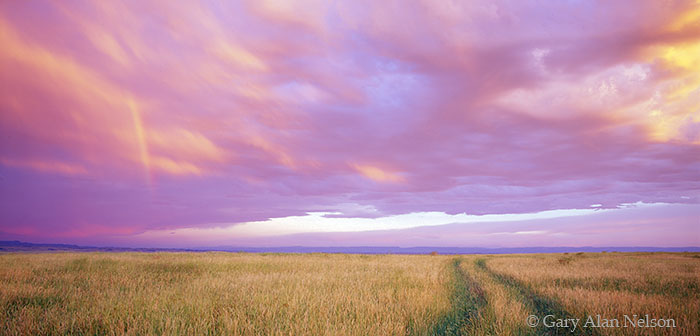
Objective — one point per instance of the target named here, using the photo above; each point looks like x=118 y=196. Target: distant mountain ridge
x=18 y=246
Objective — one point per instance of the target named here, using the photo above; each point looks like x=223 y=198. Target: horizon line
x=346 y=249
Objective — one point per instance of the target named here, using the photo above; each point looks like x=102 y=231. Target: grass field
x=340 y=294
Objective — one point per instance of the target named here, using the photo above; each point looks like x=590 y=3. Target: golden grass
x=613 y=285
x=221 y=293
x=337 y=294
x=504 y=313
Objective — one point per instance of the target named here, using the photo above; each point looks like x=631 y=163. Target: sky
x=350 y=123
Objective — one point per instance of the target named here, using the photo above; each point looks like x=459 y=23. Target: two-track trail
x=485 y=302
x=466 y=302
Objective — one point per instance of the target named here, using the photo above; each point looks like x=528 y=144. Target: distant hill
x=18 y=246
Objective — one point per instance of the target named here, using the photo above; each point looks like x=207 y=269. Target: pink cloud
x=160 y=115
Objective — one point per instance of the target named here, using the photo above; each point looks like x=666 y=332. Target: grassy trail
x=479 y=296
x=538 y=305
x=485 y=302
x=466 y=302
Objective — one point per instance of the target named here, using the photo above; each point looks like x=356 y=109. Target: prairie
x=342 y=294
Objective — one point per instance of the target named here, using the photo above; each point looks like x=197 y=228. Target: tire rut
x=540 y=305
x=466 y=301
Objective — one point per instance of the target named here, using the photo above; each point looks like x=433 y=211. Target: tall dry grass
x=504 y=311
x=612 y=285
x=222 y=293
x=335 y=294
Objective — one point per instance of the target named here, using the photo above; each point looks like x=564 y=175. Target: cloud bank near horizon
x=119 y=119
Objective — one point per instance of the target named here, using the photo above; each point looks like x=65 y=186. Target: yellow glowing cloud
x=689 y=17
x=680 y=95
x=377 y=174
x=665 y=127
x=684 y=58
x=682 y=105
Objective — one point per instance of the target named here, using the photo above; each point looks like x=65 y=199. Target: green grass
x=336 y=294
